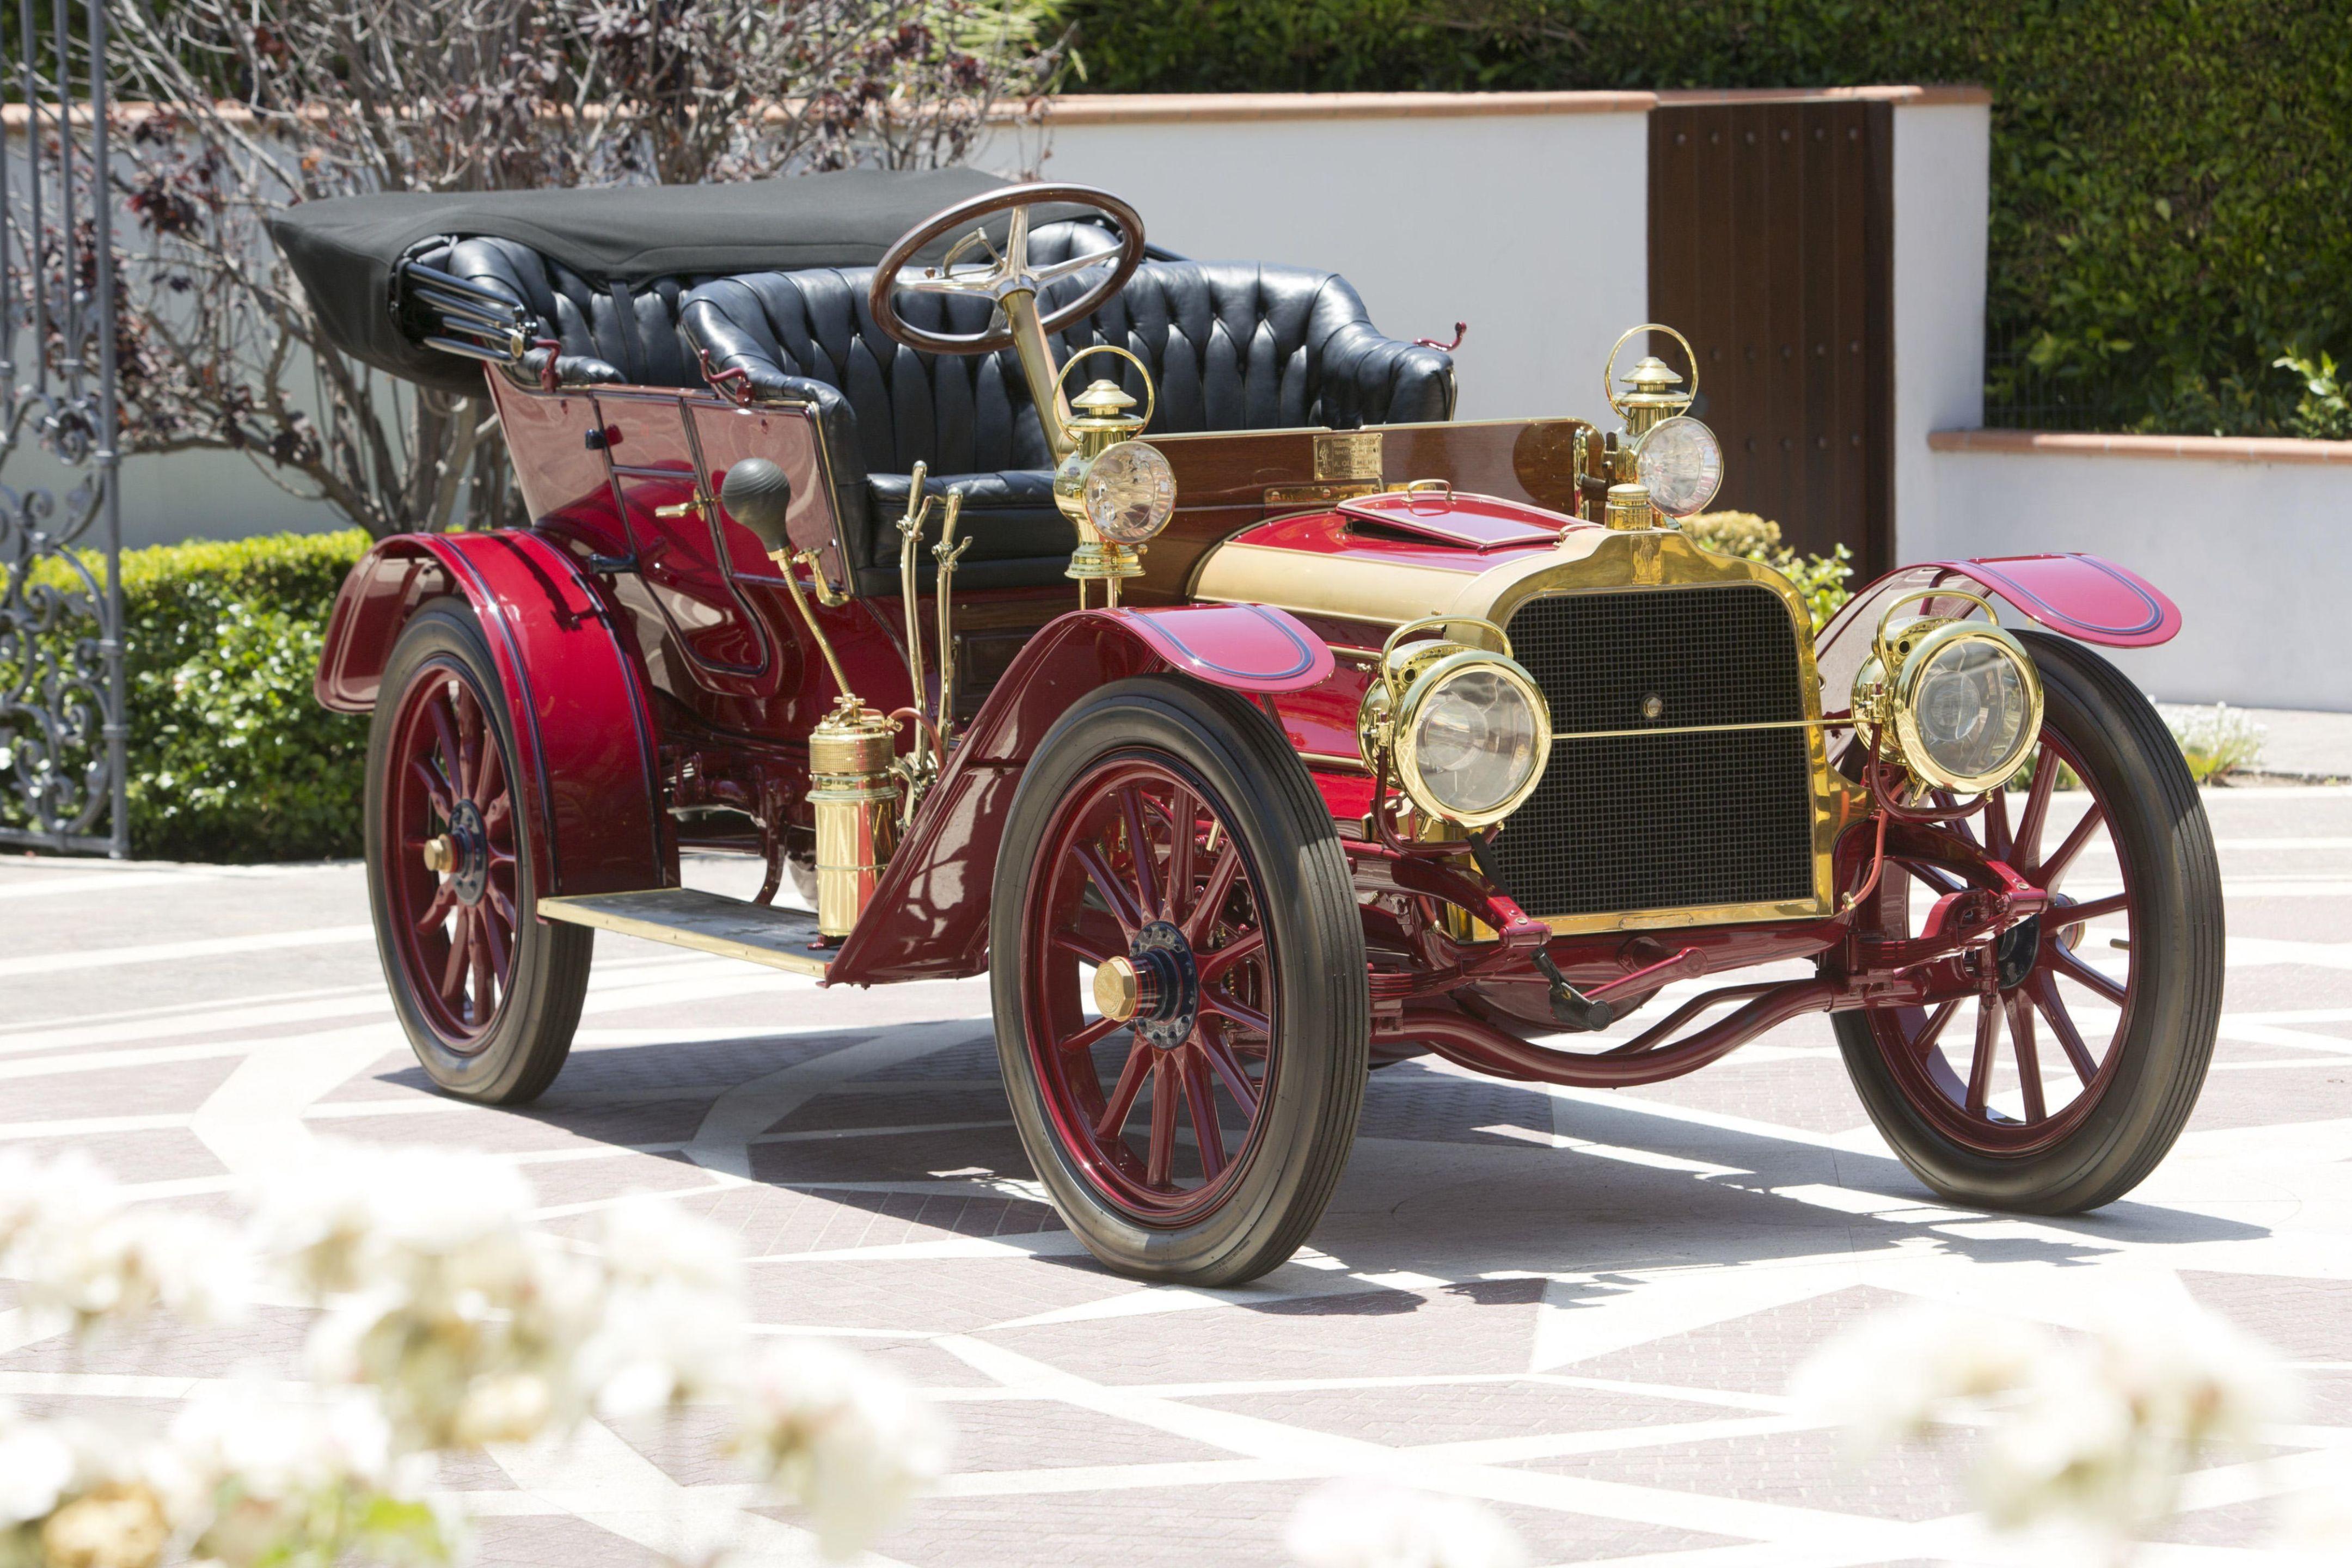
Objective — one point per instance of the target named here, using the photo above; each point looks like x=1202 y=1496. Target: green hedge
x=231 y=759
x=2169 y=176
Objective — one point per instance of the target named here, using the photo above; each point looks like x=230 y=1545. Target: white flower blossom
x=2090 y=1437
x=1358 y=1522
x=36 y=1466
x=850 y=1441
x=1883 y=1379
x=86 y=1255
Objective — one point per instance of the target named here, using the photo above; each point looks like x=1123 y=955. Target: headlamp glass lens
x=1476 y=742
x=1682 y=463
x=1973 y=706
x=1130 y=492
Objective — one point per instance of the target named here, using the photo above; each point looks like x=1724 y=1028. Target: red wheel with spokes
x=2061 y=1085
x=489 y=995
x=1180 y=984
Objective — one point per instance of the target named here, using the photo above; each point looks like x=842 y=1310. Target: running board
x=707 y=922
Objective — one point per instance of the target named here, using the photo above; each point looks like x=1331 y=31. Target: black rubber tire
x=1286 y=834
x=2158 y=820
x=531 y=1034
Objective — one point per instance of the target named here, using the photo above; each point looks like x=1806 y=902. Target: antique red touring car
x=1252 y=722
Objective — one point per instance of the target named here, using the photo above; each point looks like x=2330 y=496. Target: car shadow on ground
x=1479 y=1186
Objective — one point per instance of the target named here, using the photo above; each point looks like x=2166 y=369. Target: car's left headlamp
x=1959 y=699
x=1465 y=732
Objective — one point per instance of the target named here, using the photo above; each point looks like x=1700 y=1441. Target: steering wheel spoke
x=1008 y=270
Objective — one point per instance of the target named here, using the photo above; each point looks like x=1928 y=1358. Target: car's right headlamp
x=1959 y=700
x=1465 y=732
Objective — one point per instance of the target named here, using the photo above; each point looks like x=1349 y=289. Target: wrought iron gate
x=63 y=777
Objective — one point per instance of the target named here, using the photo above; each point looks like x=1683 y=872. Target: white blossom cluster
x=449 y=1322
x=2083 y=1437
x=1360 y=1522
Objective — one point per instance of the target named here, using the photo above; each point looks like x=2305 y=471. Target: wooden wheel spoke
x=1219 y=886
x=490 y=778
x=1996 y=819
x=1160 y=1164
x=1114 y=893
x=2053 y=1008
x=461 y=942
x=499 y=812
x=1248 y=1017
x=1121 y=1099
x=437 y=910
x=445 y=731
x=1087 y=1038
x=1229 y=1070
x=436 y=789
x=1201 y=1097
x=2051 y=872
x=2090 y=909
x=503 y=905
x=2028 y=1063
x=1926 y=1039
x=486 y=978
x=2062 y=961
x=1213 y=965
x=2026 y=846
x=1140 y=852
x=1081 y=949
x=469 y=737
x=1980 y=1064
x=494 y=939
x=1184 y=814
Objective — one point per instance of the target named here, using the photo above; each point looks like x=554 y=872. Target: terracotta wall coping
x=1201 y=108
x=2192 y=448
x=1208 y=108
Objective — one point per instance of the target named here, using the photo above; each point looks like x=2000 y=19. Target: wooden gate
x=1772 y=248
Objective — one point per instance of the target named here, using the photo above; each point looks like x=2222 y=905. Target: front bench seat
x=1231 y=346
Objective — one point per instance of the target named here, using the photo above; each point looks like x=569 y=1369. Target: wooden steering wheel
x=1000 y=275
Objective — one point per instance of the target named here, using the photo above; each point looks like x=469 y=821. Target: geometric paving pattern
x=1580 y=1307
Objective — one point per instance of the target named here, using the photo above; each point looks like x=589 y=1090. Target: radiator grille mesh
x=1668 y=820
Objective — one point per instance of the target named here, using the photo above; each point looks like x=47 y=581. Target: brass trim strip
x=1330 y=760
x=1694 y=729
x=1676 y=918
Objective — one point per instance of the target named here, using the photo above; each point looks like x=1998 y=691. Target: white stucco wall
x=1942 y=188
x=1436 y=218
x=2257 y=554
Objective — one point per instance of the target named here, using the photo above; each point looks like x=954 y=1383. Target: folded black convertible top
x=344 y=248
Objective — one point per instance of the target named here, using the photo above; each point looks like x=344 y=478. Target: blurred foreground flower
x=449 y=1320
x=2087 y=1438
x=85 y=1254
x=1362 y=1523
x=850 y=1441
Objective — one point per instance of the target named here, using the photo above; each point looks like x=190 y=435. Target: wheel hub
x=1167 y=992
x=463 y=854
x=2014 y=954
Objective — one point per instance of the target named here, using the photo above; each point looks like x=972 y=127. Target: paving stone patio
x=1581 y=1308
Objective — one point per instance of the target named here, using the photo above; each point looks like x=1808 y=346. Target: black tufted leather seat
x=1231 y=345
x=612 y=333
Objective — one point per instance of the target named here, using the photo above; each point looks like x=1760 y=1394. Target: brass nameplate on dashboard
x=1351 y=455
x=1315 y=495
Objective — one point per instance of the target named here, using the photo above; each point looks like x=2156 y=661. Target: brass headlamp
x=1955 y=701
x=1465 y=732
x=1116 y=491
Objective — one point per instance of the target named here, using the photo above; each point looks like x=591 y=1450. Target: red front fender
x=583 y=724
x=2081 y=596
x=928 y=920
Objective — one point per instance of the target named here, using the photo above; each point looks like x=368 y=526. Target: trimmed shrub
x=231 y=759
x=1820 y=578
x=2168 y=175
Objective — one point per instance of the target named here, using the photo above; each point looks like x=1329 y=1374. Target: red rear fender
x=929 y=917
x=582 y=723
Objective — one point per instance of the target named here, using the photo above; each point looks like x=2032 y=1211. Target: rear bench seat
x=1231 y=345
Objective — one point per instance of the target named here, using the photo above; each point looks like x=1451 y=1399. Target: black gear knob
x=756 y=494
